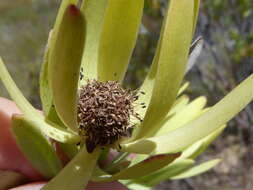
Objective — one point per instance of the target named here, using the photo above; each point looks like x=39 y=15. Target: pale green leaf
x=187 y=114
x=149 y=165
x=119 y=34
x=200 y=146
x=183 y=88
x=76 y=174
x=94 y=13
x=191 y=150
x=64 y=65
x=178 y=105
x=196 y=14
x=197 y=169
x=171 y=170
x=53 y=131
x=145 y=147
x=208 y=140
x=172 y=59
x=204 y=125
x=14 y=92
x=45 y=90
x=135 y=186
x=36 y=147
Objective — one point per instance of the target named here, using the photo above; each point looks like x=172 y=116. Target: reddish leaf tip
x=73 y=10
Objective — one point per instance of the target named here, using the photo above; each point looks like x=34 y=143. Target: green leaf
x=55 y=132
x=64 y=65
x=196 y=13
x=64 y=5
x=178 y=105
x=76 y=174
x=200 y=146
x=69 y=149
x=119 y=34
x=183 y=88
x=191 y=150
x=14 y=92
x=204 y=125
x=171 y=170
x=207 y=141
x=172 y=59
x=149 y=165
x=45 y=90
x=197 y=169
x=135 y=186
x=187 y=114
x=146 y=147
x=36 y=147
x=94 y=13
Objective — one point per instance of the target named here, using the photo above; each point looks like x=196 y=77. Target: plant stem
x=77 y=173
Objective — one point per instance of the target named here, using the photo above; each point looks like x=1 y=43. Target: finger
x=11 y=157
x=31 y=186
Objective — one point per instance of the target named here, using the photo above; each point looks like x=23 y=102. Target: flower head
x=104 y=111
x=165 y=131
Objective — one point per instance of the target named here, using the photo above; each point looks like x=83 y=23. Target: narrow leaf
x=135 y=186
x=178 y=105
x=171 y=170
x=204 y=125
x=14 y=92
x=121 y=25
x=187 y=114
x=172 y=62
x=94 y=13
x=45 y=90
x=196 y=13
x=76 y=173
x=36 y=147
x=190 y=151
x=53 y=131
x=197 y=169
x=64 y=5
x=64 y=65
x=151 y=164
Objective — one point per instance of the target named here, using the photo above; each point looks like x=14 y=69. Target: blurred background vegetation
x=226 y=59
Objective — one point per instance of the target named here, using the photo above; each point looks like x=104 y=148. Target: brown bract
x=104 y=111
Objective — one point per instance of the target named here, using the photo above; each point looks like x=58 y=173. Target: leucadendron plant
x=156 y=131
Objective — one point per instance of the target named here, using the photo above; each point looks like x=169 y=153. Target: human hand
x=12 y=159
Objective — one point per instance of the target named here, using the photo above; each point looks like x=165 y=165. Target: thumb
x=11 y=157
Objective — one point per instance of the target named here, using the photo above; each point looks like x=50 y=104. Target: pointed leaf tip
x=143 y=168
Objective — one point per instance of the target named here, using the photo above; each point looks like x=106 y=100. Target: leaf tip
x=73 y=10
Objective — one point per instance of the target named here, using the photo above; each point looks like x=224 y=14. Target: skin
x=11 y=158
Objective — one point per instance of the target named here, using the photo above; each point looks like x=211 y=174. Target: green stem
x=77 y=173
